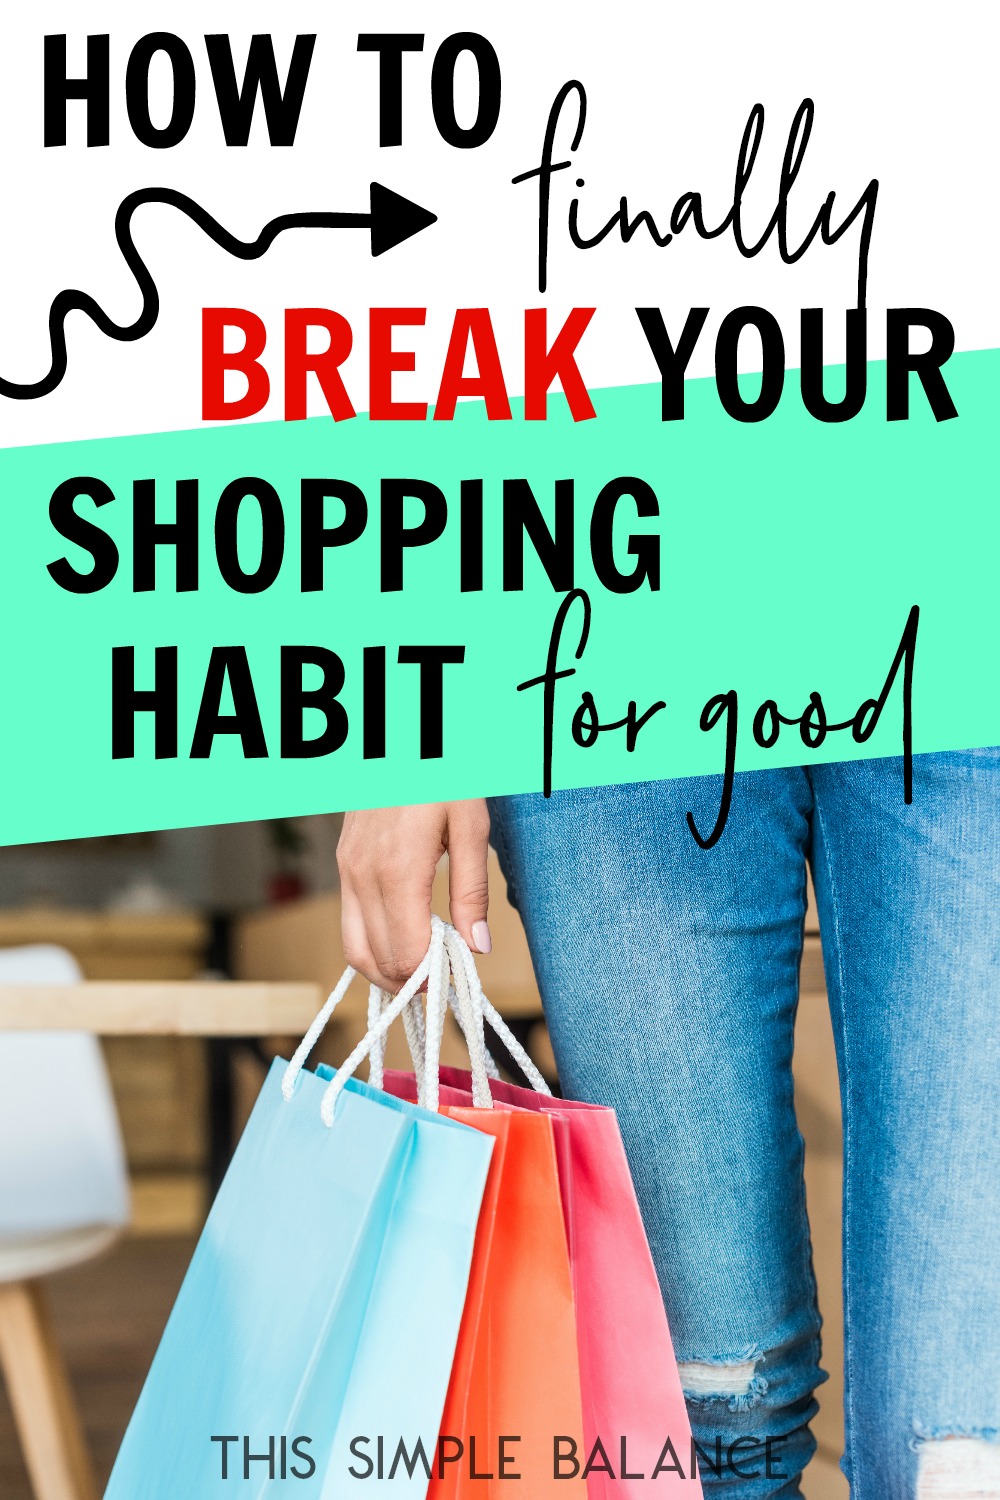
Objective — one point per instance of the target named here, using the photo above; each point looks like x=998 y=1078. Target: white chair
x=63 y=1200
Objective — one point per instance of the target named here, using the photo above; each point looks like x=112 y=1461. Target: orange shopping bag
x=513 y=1404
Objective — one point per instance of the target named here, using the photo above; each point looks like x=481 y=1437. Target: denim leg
x=910 y=910
x=670 y=978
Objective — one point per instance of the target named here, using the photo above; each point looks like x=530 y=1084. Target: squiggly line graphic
x=391 y=220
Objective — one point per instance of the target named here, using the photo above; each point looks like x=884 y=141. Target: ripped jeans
x=670 y=980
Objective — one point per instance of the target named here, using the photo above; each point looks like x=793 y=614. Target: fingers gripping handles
x=445 y=969
x=465 y=994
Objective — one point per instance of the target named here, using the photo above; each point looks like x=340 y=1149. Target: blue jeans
x=670 y=980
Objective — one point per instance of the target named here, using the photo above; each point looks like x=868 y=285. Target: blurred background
x=167 y=906
x=252 y=901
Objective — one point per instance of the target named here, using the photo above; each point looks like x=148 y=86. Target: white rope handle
x=536 y=1080
x=437 y=1009
x=460 y=952
x=433 y=969
x=312 y=1036
x=415 y=1027
x=307 y=1043
x=468 y=1019
x=416 y=1038
x=491 y=1065
x=432 y=962
x=467 y=1014
x=483 y=1010
x=449 y=970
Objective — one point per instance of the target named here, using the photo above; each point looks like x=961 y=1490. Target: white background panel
x=903 y=92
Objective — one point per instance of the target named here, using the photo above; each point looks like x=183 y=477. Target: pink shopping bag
x=637 y=1437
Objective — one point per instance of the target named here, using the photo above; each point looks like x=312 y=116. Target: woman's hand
x=387 y=860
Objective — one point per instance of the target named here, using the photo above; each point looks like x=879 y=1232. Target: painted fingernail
x=481 y=937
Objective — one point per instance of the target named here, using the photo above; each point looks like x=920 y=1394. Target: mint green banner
x=791 y=555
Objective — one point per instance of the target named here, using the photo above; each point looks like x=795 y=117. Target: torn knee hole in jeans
x=737 y=1382
x=958 y=1466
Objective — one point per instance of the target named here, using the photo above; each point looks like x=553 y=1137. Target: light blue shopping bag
x=336 y=1252
x=404 y=1357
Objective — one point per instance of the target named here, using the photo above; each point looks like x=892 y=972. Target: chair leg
x=44 y=1412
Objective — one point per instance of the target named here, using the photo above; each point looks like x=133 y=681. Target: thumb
x=468 y=881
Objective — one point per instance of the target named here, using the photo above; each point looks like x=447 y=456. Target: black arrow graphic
x=391 y=220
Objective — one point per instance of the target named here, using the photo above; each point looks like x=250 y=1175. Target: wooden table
x=161 y=1008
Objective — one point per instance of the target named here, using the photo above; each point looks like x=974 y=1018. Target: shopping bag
x=637 y=1436
x=632 y=1405
x=513 y=1405
x=341 y=1206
